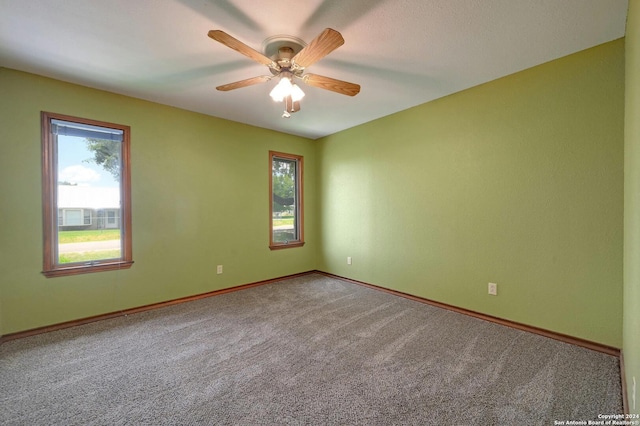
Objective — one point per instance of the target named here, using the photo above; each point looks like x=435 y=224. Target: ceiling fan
x=288 y=59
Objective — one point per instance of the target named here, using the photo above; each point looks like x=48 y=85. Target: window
x=85 y=179
x=111 y=219
x=285 y=201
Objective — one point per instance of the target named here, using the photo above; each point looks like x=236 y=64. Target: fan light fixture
x=284 y=89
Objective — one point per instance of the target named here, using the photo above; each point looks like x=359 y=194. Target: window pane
x=88 y=180
x=286 y=200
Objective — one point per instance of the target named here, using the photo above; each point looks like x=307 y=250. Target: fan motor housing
x=281 y=48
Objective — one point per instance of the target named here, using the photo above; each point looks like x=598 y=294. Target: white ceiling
x=402 y=52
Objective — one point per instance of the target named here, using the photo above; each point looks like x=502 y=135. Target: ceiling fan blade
x=237 y=45
x=328 y=41
x=328 y=83
x=244 y=83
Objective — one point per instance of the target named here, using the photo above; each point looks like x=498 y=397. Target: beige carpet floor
x=305 y=351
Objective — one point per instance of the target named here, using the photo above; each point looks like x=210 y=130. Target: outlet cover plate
x=493 y=289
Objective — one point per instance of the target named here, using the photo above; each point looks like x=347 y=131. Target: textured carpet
x=309 y=350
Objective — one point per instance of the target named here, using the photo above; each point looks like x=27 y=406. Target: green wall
x=518 y=181
x=631 y=324
x=199 y=195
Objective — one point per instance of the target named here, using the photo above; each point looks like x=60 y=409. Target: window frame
x=299 y=196
x=51 y=267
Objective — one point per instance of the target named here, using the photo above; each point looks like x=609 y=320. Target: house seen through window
x=86 y=195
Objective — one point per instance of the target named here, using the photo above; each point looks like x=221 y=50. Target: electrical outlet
x=349 y=260
x=219 y=269
x=493 y=289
